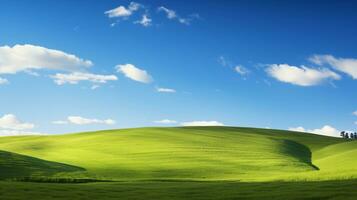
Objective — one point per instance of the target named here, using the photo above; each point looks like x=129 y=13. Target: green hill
x=185 y=153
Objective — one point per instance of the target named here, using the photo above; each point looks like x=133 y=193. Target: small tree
x=352 y=136
x=355 y=134
x=347 y=136
x=342 y=134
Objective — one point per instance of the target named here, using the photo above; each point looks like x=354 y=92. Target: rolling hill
x=181 y=153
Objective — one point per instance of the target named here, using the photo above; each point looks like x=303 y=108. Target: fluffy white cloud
x=10 y=121
x=145 y=21
x=75 y=77
x=20 y=58
x=202 y=123
x=325 y=130
x=241 y=70
x=171 y=14
x=165 y=121
x=346 y=65
x=122 y=11
x=302 y=76
x=84 y=121
x=166 y=90
x=3 y=81
x=134 y=73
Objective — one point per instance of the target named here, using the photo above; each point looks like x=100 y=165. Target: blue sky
x=69 y=66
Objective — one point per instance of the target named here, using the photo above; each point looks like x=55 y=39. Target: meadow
x=178 y=163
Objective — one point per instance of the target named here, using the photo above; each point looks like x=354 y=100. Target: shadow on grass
x=13 y=165
x=300 y=152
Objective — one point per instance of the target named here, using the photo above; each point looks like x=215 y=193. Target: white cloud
x=145 y=21
x=355 y=113
x=10 y=121
x=22 y=58
x=83 y=121
x=325 y=130
x=75 y=77
x=297 y=129
x=202 y=123
x=346 y=65
x=302 y=76
x=32 y=73
x=222 y=60
x=17 y=133
x=171 y=14
x=3 y=81
x=184 y=21
x=94 y=87
x=165 y=121
x=27 y=58
x=166 y=90
x=241 y=70
x=134 y=73
x=60 y=122
x=122 y=11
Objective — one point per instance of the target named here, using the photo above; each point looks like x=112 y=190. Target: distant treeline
x=350 y=135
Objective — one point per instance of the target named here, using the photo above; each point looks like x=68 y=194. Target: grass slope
x=191 y=153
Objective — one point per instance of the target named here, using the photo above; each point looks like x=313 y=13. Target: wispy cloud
x=202 y=123
x=302 y=76
x=3 y=81
x=134 y=73
x=223 y=61
x=165 y=121
x=122 y=11
x=74 y=78
x=166 y=90
x=78 y=120
x=355 y=113
x=345 y=65
x=172 y=15
x=18 y=133
x=241 y=70
x=145 y=21
x=94 y=87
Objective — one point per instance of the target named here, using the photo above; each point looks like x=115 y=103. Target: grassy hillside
x=192 y=153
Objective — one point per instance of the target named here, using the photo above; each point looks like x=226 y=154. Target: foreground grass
x=332 y=190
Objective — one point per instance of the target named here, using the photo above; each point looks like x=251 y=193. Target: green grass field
x=178 y=163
